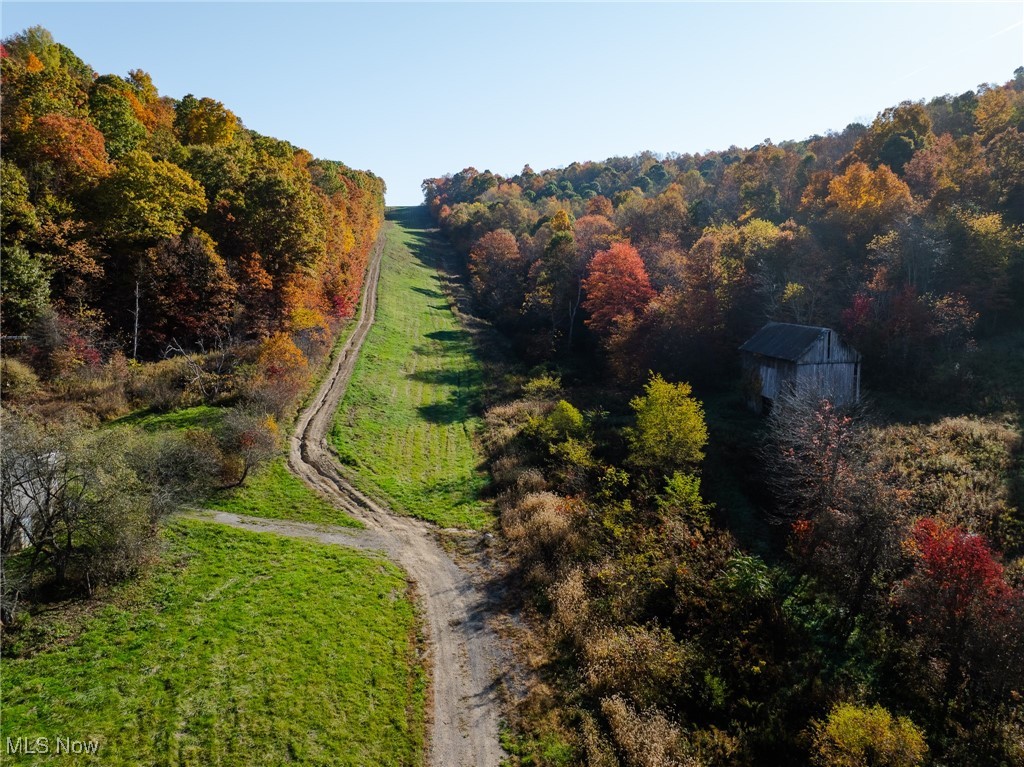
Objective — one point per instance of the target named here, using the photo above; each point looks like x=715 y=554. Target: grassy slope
x=275 y=493
x=199 y=417
x=249 y=649
x=407 y=423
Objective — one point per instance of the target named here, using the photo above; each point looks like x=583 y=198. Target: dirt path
x=463 y=649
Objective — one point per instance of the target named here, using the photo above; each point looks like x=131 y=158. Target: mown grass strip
x=244 y=649
x=407 y=423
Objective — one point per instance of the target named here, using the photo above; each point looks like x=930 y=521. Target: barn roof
x=783 y=341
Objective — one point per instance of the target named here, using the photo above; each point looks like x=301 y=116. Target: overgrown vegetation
x=874 y=611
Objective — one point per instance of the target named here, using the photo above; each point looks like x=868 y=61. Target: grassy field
x=242 y=649
x=407 y=421
x=275 y=493
x=199 y=417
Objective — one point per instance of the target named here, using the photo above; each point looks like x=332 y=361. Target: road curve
x=463 y=650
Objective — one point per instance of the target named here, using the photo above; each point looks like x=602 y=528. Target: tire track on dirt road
x=463 y=650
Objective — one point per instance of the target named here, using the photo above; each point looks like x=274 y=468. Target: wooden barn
x=781 y=356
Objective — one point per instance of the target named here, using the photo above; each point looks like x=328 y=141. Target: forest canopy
x=905 y=235
x=133 y=221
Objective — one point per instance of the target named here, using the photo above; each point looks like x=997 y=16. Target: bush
x=280 y=375
x=71 y=496
x=162 y=385
x=647 y=739
x=537 y=526
x=178 y=467
x=506 y=422
x=644 y=663
x=862 y=736
x=251 y=438
x=570 y=603
x=17 y=380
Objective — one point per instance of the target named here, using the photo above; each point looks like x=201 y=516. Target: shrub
x=647 y=739
x=279 y=377
x=251 y=438
x=862 y=736
x=543 y=387
x=178 y=467
x=506 y=422
x=570 y=602
x=17 y=380
x=71 y=496
x=162 y=385
x=644 y=663
x=537 y=526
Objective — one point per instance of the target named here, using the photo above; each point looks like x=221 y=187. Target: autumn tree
x=181 y=273
x=895 y=135
x=145 y=200
x=958 y=599
x=204 y=121
x=72 y=151
x=616 y=286
x=670 y=432
x=864 y=201
x=498 y=274
x=866 y=736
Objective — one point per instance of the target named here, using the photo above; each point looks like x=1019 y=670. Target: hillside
x=706 y=586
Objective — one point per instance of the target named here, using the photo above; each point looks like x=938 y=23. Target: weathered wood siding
x=829 y=368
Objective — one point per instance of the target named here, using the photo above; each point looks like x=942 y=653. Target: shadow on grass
x=460 y=337
x=430 y=293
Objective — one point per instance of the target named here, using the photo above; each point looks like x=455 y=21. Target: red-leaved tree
x=958 y=598
x=617 y=285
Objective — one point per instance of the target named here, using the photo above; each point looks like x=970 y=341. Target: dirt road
x=463 y=650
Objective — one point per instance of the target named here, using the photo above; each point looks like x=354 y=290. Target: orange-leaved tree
x=617 y=286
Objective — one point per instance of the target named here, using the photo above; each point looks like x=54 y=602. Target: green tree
x=895 y=135
x=670 y=432
x=16 y=211
x=110 y=105
x=24 y=288
x=145 y=200
x=204 y=121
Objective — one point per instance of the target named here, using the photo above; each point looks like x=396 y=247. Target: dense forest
x=134 y=221
x=704 y=586
x=904 y=233
x=158 y=256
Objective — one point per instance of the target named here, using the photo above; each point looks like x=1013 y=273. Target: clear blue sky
x=416 y=90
